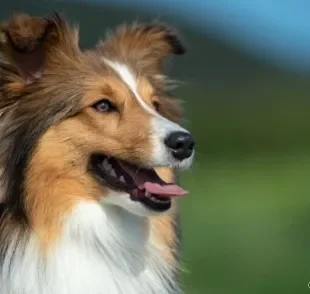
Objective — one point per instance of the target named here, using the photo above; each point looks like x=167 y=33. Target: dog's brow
x=129 y=79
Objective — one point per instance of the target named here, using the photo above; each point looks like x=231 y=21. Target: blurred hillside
x=236 y=104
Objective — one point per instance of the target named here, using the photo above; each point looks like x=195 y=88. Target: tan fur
x=55 y=183
x=163 y=227
x=57 y=177
x=147 y=44
x=24 y=30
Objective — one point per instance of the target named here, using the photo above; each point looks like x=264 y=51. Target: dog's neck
x=102 y=250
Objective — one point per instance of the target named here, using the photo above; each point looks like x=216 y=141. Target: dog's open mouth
x=143 y=185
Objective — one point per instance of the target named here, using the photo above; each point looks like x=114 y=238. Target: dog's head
x=90 y=124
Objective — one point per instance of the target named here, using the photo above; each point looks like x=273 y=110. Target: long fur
x=88 y=247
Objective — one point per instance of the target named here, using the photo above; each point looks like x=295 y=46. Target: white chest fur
x=103 y=251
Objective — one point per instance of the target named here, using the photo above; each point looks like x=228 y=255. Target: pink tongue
x=164 y=190
x=149 y=180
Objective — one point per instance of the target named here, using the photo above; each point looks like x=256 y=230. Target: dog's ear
x=146 y=44
x=28 y=44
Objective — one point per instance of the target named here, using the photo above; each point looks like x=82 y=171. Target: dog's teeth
x=159 y=200
x=155 y=199
x=122 y=179
x=113 y=173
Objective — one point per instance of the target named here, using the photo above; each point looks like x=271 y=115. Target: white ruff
x=103 y=250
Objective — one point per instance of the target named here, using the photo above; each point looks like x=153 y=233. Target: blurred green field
x=246 y=225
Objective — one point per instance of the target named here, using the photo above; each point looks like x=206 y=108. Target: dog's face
x=108 y=121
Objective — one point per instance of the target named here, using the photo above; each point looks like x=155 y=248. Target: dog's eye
x=104 y=105
x=156 y=105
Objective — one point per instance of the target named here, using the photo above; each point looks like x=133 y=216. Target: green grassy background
x=246 y=221
x=246 y=225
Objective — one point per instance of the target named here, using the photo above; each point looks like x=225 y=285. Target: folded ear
x=146 y=44
x=27 y=44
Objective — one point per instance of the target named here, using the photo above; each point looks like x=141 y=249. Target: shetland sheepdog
x=89 y=144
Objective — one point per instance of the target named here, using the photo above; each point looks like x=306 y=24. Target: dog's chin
x=123 y=200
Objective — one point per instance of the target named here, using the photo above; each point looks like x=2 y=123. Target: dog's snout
x=181 y=144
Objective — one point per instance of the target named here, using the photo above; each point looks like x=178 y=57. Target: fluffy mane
x=56 y=218
x=26 y=111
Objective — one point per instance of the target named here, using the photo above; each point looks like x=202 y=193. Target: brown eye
x=156 y=105
x=104 y=105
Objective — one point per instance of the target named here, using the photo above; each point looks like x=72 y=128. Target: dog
x=90 y=142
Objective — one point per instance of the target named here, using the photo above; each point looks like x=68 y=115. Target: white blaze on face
x=160 y=126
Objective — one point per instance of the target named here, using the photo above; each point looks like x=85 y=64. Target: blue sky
x=275 y=29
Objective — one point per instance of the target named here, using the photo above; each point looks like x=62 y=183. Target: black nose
x=181 y=144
